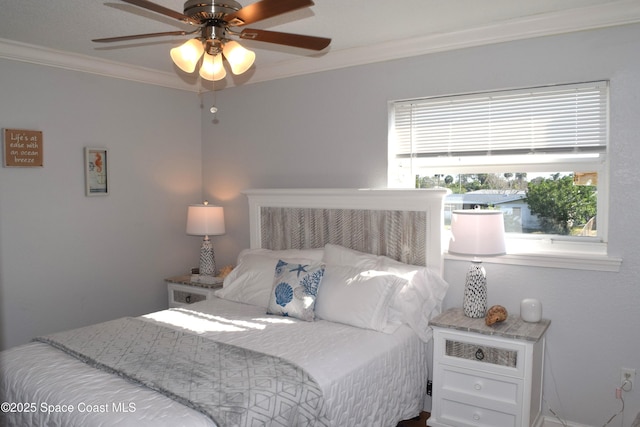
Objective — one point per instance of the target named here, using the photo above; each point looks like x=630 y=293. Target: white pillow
x=356 y=297
x=417 y=302
x=314 y=254
x=250 y=282
x=339 y=255
x=294 y=291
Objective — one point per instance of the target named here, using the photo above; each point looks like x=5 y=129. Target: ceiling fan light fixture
x=212 y=67
x=240 y=59
x=214 y=19
x=187 y=55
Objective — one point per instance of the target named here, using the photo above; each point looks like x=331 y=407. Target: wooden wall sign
x=22 y=148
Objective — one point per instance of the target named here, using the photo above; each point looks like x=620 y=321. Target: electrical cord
x=624 y=387
x=616 y=414
x=555 y=387
x=619 y=395
x=554 y=414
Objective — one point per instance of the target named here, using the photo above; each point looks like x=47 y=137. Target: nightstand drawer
x=482 y=353
x=182 y=294
x=462 y=414
x=183 y=297
x=500 y=393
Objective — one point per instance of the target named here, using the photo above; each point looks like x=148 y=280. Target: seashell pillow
x=295 y=288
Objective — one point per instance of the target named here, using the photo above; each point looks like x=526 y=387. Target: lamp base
x=475 y=291
x=207 y=260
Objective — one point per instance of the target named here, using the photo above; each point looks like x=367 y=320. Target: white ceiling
x=59 y=33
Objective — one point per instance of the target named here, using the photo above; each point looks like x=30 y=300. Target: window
x=538 y=154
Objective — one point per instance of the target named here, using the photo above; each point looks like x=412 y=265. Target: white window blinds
x=549 y=120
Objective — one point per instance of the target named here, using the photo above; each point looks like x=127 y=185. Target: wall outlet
x=629 y=375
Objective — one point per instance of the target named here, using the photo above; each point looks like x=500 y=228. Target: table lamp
x=479 y=233
x=205 y=220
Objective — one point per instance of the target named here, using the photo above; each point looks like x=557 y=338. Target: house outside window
x=537 y=154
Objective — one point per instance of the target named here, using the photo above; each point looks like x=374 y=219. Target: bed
x=346 y=342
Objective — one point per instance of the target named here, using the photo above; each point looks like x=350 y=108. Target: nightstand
x=183 y=291
x=486 y=375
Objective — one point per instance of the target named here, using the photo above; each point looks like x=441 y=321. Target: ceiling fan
x=216 y=20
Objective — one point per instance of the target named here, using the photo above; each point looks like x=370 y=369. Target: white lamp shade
x=212 y=67
x=240 y=59
x=477 y=232
x=187 y=55
x=205 y=220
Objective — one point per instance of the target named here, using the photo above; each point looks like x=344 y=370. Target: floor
x=417 y=422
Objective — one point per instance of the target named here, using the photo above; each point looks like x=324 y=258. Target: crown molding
x=615 y=13
x=33 y=54
x=601 y=16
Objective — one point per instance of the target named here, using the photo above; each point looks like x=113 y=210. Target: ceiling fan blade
x=287 y=39
x=140 y=36
x=146 y=4
x=264 y=9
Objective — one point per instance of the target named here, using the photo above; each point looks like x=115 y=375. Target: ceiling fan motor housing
x=207 y=10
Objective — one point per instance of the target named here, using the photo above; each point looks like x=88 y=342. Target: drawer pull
x=182 y=297
x=476 y=417
x=479 y=354
x=477 y=386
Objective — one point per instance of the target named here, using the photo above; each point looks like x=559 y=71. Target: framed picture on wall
x=96 y=171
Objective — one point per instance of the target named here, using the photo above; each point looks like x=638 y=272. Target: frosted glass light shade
x=239 y=58
x=186 y=55
x=212 y=67
x=477 y=232
x=205 y=220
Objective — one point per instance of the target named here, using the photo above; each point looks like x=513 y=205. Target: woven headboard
x=405 y=225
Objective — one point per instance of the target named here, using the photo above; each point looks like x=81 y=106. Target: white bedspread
x=368 y=378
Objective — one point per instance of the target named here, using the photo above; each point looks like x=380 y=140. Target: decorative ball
x=496 y=314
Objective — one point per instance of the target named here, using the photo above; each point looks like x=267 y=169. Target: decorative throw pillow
x=295 y=288
x=252 y=280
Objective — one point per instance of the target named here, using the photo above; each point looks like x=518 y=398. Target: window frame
x=584 y=253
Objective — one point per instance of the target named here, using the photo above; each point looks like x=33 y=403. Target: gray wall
x=330 y=130
x=67 y=260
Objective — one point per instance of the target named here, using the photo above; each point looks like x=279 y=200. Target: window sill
x=576 y=261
